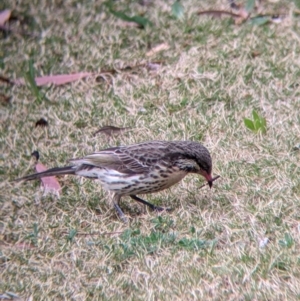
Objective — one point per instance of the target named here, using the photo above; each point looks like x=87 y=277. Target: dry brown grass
x=211 y=246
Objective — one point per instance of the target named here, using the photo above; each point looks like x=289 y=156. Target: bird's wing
x=133 y=159
x=120 y=161
x=99 y=159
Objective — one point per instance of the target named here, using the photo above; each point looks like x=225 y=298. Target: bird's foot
x=153 y=207
x=160 y=209
x=121 y=214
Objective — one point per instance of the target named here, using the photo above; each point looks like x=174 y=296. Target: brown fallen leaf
x=6 y=80
x=4 y=16
x=243 y=11
x=50 y=184
x=109 y=130
x=240 y=20
x=36 y=154
x=217 y=13
x=255 y=53
x=158 y=48
x=128 y=24
x=233 y=5
x=41 y=122
x=60 y=79
x=239 y=17
x=24 y=246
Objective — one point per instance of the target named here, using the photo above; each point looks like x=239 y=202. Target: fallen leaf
x=6 y=80
x=243 y=16
x=141 y=21
x=217 y=13
x=260 y=20
x=239 y=17
x=50 y=184
x=233 y=4
x=41 y=122
x=158 y=48
x=250 y=4
x=177 y=10
x=127 y=24
x=24 y=246
x=255 y=53
x=244 y=12
x=4 y=16
x=36 y=155
x=60 y=79
x=109 y=130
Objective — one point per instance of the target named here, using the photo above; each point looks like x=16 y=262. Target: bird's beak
x=209 y=180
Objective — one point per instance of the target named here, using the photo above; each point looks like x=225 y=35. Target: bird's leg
x=121 y=214
x=153 y=207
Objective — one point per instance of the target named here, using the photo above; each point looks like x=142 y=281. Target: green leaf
x=259 y=20
x=141 y=21
x=263 y=122
x=249 y=124
x=35 y=229
x=263 y=125
x=255 y=115
x=30 y=79
x=297 y=3
x=72 y=233
x=195 y=244
x=287 y=242
x=281 y=265
x=177 y=10
x=250 y=6
x=257 y=124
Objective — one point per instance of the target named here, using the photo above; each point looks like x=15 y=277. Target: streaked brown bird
x=139 y=168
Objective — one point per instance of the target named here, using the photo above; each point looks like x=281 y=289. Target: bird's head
x=195 y=158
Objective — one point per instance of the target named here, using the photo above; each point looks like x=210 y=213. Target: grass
x=238 y=241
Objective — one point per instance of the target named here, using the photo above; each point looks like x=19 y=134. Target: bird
x=141 y=168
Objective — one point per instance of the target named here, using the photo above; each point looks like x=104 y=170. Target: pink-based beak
x=209 y=180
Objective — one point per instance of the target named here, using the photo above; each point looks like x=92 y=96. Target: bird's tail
x=56 y=171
